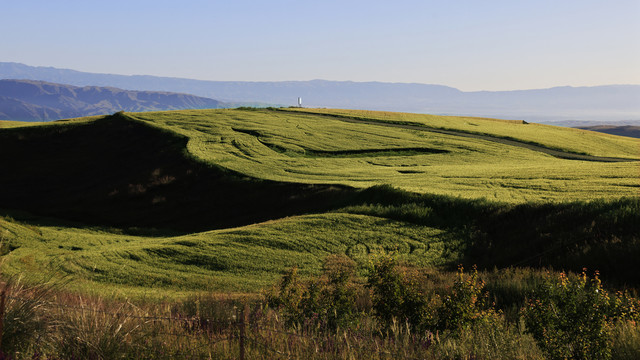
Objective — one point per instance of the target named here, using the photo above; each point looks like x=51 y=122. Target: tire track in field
x=553 y=152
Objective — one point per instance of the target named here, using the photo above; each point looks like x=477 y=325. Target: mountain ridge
x=33 y=100
x=561 y=103
x=624 y=130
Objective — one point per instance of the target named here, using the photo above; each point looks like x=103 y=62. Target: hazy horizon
x=327 y=80
x=470 y=46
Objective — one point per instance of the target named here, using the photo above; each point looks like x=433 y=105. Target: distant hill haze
x=603 y=104
x=30 y=100
x=626 y=130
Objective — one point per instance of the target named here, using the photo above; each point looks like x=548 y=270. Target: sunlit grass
x=281 y=146
x=570 y=139
x=5 y=124
x=242 y=259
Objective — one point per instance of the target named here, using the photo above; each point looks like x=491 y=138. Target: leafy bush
x=288 y=297
x=573 y=317
x=397 y=296
x=467 y=303
x=329 y=299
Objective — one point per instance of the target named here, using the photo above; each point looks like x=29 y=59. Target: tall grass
x=43 y=322
x=26 y=324
x=208 y=327
x=626 y=341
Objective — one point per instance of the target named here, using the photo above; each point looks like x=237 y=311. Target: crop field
x=484 y=178
x=568 y=139
x=308 y=148
x=241 y=260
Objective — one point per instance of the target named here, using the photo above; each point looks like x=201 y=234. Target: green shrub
x=396 y=296
x=332 y=296
x=329 y=299
x=573 y=317
x=288 y=296
x=467 y=303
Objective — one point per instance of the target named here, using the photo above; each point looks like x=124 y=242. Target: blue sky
x=470 y=45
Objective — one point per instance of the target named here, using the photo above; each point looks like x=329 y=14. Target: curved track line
x=553 y=152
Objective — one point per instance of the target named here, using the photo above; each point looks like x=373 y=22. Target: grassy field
x=243 y=259
x=5 y=124
x=430 y=233
x=308 y=148
x=181 y=217
x=570 y=139
x=225 y=200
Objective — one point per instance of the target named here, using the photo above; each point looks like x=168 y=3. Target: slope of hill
x=75 y=170
x=118 y=172
x=266 y=171
x=604 y=103
x=30 y=100
x=316 y=148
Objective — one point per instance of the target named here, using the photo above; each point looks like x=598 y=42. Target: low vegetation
x=391 y=311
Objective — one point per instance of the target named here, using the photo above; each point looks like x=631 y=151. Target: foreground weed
x=26 y=324
x=484 y=340
x=626 y=340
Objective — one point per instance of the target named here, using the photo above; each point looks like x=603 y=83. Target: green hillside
x=424 y=231
x=569 y=139
x=311 y=148
x=168 y=203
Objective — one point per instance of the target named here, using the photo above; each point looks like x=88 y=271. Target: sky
x=469 y=45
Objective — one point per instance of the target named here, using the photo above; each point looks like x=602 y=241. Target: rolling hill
x=30 y=100
x=157 y=203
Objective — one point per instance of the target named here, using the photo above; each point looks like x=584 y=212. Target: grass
x=64 y=325
x=425 y=231
x=569 y=139
x=6 y=124
x=286 y=146
x=241 y=259
x=162 y=212
x=225 y=200
x=93 y=328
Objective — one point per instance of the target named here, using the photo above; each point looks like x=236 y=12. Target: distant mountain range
x=602 y=104
x=627 y=130
x=30 y=100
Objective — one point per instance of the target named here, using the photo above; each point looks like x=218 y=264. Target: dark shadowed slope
x=120 y=172
x=29 y=100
